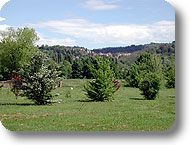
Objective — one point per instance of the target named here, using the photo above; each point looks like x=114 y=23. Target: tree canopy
x=16 y=45
x=145 y=63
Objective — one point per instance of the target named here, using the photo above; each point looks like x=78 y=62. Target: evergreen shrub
x=150 y=85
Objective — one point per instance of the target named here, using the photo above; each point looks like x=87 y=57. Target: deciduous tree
x=16 y=46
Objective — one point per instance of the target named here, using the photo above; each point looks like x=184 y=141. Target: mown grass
x=128 y=112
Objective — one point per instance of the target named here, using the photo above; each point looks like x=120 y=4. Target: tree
x=16 y=47
x=150 y=62
x=150 y=85
x=115 y=68
x=144 y=64
x=86 y=69
x=133 y=77
x=102 y=87
x=38 y=81
x=77 y=69
x=66 y=70
x=170 y=75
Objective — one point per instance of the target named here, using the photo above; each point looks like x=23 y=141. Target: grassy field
x=128 y=112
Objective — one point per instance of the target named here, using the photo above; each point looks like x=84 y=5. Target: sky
x=92 y=23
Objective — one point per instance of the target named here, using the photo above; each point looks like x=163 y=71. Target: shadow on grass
x=136 y=98
x=86 y=100
x=171 y=96
x=18 y=104
x=126 y=85
x=89 y=100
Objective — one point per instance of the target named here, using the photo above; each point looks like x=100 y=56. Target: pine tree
x=101 y=88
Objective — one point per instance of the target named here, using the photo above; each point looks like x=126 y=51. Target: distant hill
x=125 y=56
x=127 y=49
x=133 y=48
x=61 y=53
x=165 y=50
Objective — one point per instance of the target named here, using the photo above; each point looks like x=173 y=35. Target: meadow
x=72 y=111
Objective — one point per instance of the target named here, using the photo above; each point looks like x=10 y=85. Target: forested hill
x=134 y=48
x=76 y=51
x=125 y=55
x=127 y=49
x=165 y=50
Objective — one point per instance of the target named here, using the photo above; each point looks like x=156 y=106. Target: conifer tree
x=101 y=88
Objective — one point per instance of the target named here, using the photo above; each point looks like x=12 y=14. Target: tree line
x=75 y=62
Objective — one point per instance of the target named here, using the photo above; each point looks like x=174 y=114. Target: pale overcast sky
x=92 y=23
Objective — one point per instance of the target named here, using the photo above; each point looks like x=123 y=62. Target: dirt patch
x=20 y=116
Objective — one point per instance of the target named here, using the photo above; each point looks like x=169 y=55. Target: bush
x=38 y=81
x=150 y=85
x=102 y=87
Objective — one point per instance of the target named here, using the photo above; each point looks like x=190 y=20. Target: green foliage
x=165 y=50
x=16 y=47
x=120 y=61
x=66 y=70
x=170 y=75
x=124 y=73
x=61 y=53
x=150 y=86
x=77 y=69
x=145 y=63
x=86 y=69
x=38 y=80
x=126 y=49
x=134 y=76
x=101 y=88
x=115 y=68
x=150 y=63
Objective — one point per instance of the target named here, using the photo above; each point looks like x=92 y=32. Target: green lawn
x=128 y=112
